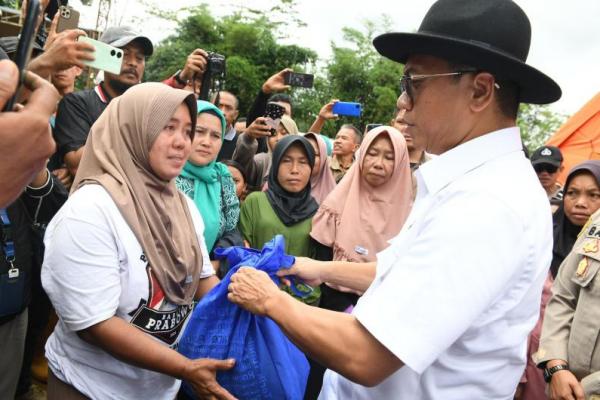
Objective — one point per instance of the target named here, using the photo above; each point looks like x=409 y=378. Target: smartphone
x=273 y=113
x=68 y=18
x=298 y=79
x=347 y=109
x=372 y=126
x=25 y=45
x=107 y=57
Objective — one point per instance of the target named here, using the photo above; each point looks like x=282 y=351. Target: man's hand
x=259 y=128
x=201 y=375
x=307 y=269
x=64 y=52
x=253 y=290
x=565 y=386
x=276 y=83
x=52 y=32
x=64 y=176
x=326 y=111
x=195 y=65
x=9 y=79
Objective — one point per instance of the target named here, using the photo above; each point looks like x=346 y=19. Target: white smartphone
x=107 y=57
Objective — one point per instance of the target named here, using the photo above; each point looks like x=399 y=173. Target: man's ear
x=483 y=91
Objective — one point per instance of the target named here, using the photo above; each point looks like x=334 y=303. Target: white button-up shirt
x=458 y=290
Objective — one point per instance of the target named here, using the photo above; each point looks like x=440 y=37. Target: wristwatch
x=178 y=78
x=548 y=372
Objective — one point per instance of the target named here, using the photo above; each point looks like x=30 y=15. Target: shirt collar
x=102 y=93
x=451 y=165
x=230 y=134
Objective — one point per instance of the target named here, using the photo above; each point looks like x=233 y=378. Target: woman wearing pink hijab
x=366 y=209
x=322 y=181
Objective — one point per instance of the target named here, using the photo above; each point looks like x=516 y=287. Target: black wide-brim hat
x=490 y=35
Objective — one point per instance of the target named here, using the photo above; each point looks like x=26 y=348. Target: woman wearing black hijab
x=286 y=207
x=580 y=200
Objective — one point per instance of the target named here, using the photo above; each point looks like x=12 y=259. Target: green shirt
x=259 y=224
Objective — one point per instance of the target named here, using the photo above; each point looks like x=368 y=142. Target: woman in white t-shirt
x=125 y=258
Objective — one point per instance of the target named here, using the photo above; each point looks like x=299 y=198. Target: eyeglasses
x=551 y=169
x=407 y=85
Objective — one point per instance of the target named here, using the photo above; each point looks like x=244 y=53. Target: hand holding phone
x=65 y=51
x=258 y=128
x=273 y=114
x=298 y=79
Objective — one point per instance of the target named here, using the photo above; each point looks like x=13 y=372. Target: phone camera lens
x=119 y=55
x=112 y=53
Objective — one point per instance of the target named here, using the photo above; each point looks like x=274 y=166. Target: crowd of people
x=435 y=257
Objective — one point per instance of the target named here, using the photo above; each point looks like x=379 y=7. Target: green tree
x=537 y=124
x=249 y=43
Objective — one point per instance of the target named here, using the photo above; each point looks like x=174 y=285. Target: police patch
x=593 y=232
x=590 y=246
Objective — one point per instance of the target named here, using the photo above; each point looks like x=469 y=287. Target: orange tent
x=579 y=138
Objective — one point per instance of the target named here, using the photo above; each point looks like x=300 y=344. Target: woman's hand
x=565 y=386
x=201 y=374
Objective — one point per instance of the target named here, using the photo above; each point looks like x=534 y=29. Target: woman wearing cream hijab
x=126 y=258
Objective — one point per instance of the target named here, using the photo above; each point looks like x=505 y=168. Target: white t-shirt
x=94 y=268
x=458 y=290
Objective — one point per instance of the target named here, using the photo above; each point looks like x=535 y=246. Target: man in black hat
x=447 y=307
x=78 y=111
x=547 y=162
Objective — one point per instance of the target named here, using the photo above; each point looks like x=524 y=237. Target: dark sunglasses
x=551 y=169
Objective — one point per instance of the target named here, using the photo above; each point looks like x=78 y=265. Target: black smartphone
x=372 y=126
x=25 y=45
x=298 y=79
x=273 y=113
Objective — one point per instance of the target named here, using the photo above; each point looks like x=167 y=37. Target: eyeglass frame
x=406 y=85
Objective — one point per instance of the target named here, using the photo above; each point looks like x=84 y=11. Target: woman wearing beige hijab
x=126 y=258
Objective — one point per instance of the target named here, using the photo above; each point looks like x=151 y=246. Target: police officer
x=568 y=351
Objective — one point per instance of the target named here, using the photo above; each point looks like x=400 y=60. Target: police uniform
x=572 y=319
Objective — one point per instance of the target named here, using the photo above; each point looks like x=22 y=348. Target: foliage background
x=255 y=43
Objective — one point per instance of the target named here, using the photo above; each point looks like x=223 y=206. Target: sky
x=565 y=34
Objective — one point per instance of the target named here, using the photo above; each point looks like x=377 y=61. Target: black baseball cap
x=547 y=155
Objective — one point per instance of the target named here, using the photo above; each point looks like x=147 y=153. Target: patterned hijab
x=116 y=156
x=207 y=183
x=357 y=220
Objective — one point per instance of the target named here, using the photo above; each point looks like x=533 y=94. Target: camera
x=215 y=64
x=214 y=76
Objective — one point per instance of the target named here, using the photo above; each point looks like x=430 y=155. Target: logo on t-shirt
x=158 y=317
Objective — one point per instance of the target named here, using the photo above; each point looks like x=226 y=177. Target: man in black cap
x=78 y=111
x=447 y=307
x=547 y=162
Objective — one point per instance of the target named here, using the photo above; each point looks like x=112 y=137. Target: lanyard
x=8 y=244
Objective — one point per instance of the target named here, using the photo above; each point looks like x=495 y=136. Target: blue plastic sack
x=268 y=365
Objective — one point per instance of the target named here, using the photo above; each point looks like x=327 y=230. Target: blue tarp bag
x=268 y=365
